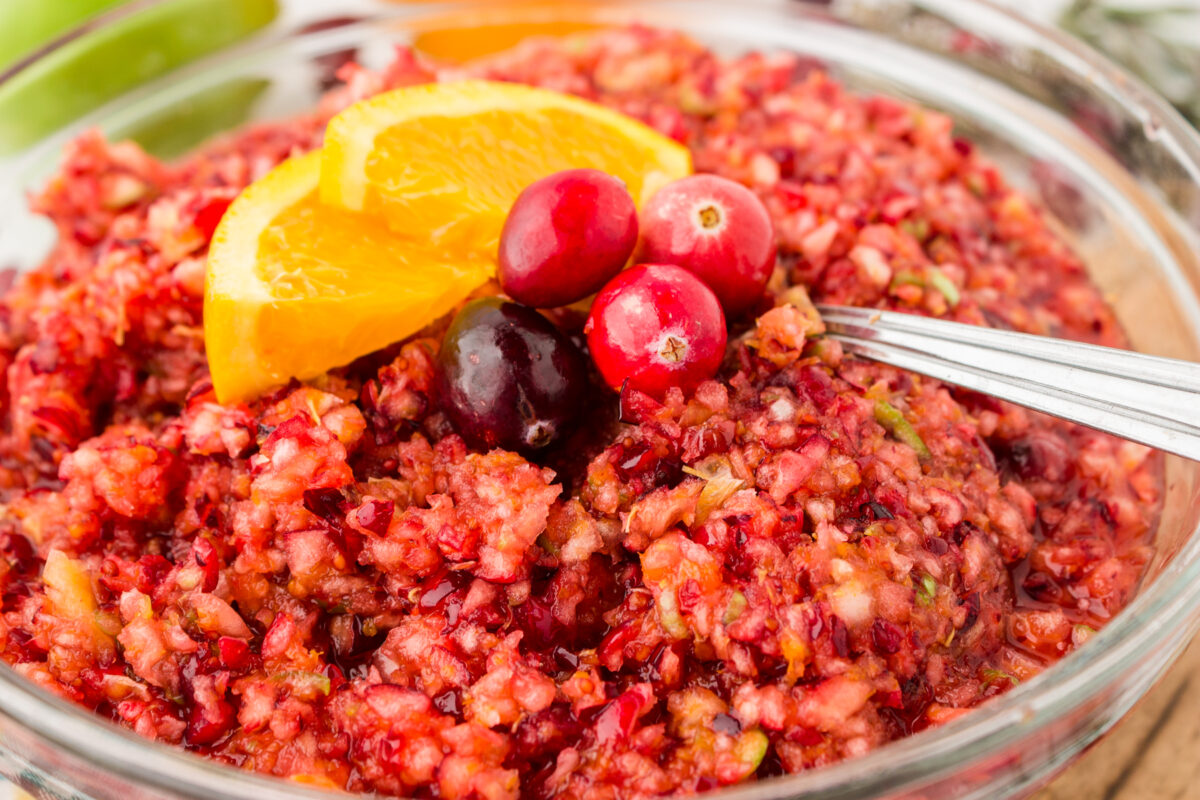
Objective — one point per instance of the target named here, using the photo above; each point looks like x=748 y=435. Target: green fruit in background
x=26 y=25
x=173 y=132
x=125 y=52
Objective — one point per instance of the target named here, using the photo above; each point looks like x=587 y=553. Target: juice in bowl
x=473 y=433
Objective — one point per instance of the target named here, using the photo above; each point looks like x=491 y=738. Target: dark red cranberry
x=1039 y=586
x=690 y=595
x=546 y=732
x=565 y=659
x=611 y=651
x=233 y=653
x=786 y=158
x=337 y=677
x=614 y=722
x=449 y=702
x=376 y=515
x=508 y=378
x=806 y=737
x=357 y=642
x=645 y=467
x=886 y=636
x=717 y=229
x=771 y=765
x=536 y=619
x=437 y=589
x=565 y=237
x=207 y=724
x=636 y=407
x=971 y=602
x=327 y=504
x=64 y=424
x=839 y=637
x=208 y=212
x=151 y=569
x=656 y=326
x=24 y=647
x=19 y=551
x=209 y=561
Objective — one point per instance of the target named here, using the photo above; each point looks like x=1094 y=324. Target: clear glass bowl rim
x=1166 y=609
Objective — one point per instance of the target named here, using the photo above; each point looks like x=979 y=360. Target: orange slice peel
x=294 y=288
x=343 y=251
x=445 y=161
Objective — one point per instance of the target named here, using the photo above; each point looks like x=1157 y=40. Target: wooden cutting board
x=1152 y=754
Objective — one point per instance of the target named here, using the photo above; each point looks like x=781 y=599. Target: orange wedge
x=295 y=288
x=444 y=162
x=466 y=34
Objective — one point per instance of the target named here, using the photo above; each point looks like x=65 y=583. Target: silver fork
x=1147 y=399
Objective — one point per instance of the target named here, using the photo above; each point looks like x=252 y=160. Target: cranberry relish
x=796 y=563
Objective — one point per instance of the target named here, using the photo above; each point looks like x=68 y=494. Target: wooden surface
x=1153 y=754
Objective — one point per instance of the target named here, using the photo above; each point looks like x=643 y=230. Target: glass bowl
x=1116 y=167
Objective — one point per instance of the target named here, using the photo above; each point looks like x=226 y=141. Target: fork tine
x=1168 y=435
x=1106 y=360
x=1164 y=401
x=1146 y=399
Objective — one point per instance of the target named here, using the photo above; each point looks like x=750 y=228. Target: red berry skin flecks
x=565 y=237
x=656 y=326
x=717 y=229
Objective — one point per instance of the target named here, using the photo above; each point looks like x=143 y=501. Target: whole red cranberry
x=656 y=326
x=565 y=236
x=717 y=229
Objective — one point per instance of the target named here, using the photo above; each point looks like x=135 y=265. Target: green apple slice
x=98 y=66
x=26 y=25
x=171 y=132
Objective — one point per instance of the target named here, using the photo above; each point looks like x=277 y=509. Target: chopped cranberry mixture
x=799 y=562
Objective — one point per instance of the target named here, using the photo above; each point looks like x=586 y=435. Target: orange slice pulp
x=462 y=35
x=341 y=252
x=295 y=288
x=446 y=161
